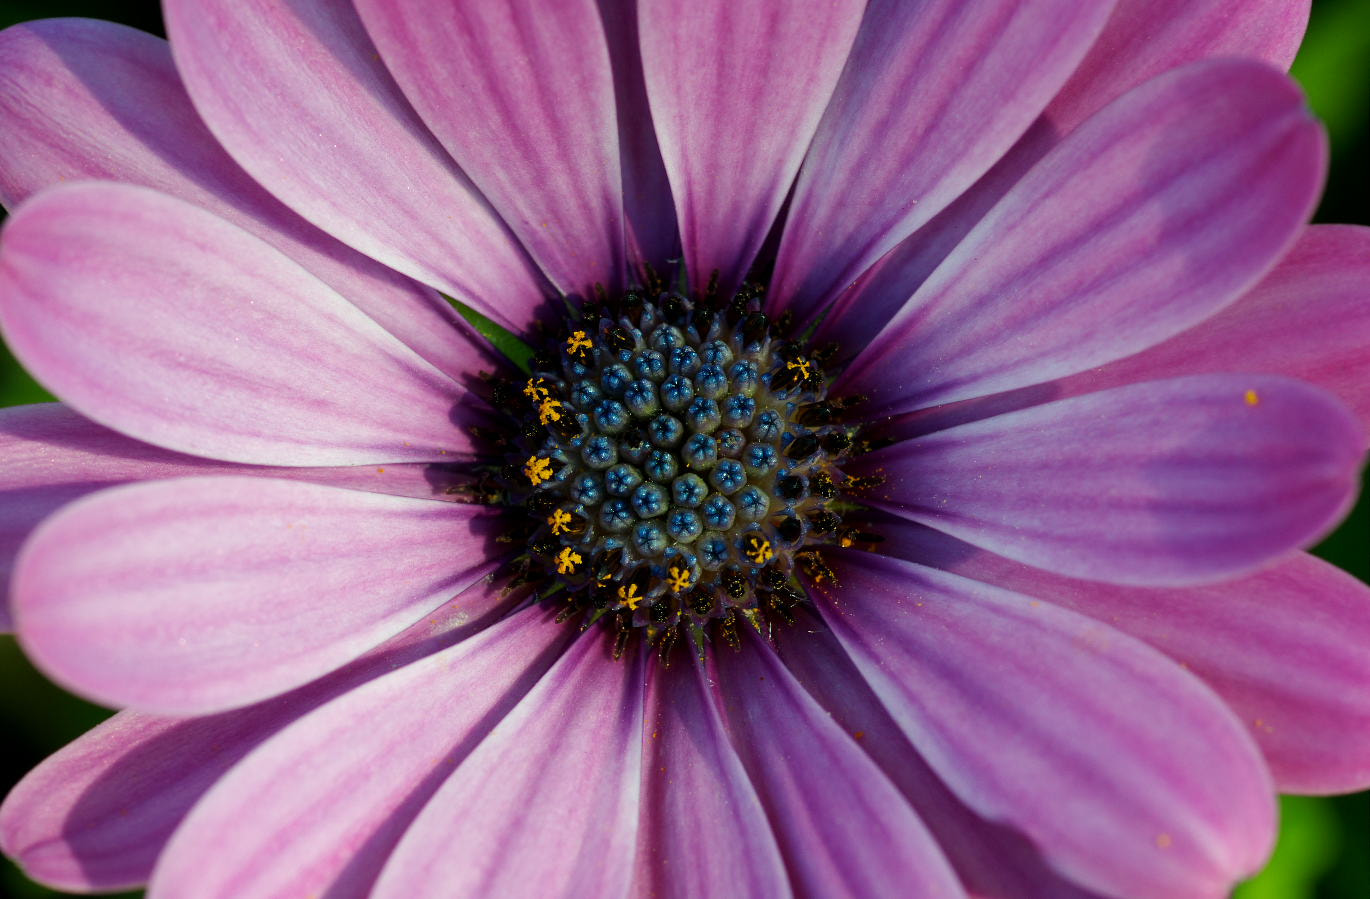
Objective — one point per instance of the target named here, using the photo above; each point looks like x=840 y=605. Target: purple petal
x=547 y=804
x=737 y=88
x=341 y=784
x=1284 y=647
x=96 y=815
x=200 y=594
x=843 y=828
x=1142 y=39
x=84 y=99
x=1129 y=775
x=521 y=94
x=1163 y=209
x=164 y=322
x=703 y=832
x=53 y=456
x=294 y=91
x=991 y=860
x=933 y=94
x=1164 y=483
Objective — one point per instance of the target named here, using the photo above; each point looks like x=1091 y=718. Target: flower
x=1004 y=598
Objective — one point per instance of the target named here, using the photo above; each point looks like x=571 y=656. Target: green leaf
x=506 y=342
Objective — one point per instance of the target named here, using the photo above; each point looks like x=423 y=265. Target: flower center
x=679 y=466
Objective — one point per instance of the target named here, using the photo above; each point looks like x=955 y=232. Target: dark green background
x=1324 y=848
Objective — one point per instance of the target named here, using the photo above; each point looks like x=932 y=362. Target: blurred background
x=1324 y=848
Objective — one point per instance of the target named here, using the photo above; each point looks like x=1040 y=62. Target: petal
x=737 y=88
x=704 y=832
x=164 y=322
x=84 y=99
x=96 y=815
x=522 y=97
x=933 y=94
x=341 y=784
x=1142 y=39
x=200 y=594
x=547 y=804
x=1285 y=647
x=296 y=95
x=1159 y=212
x=842 y=826
x=991 y=860
x=53 y=456
x=1164 y=483
x=1130 y=776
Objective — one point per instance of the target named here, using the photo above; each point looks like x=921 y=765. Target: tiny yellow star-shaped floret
x=630 y=597
x=759 y=550
x=678 y=579
x=535 y=390
x=560 y=521
x=549 y=411
x=577 y=344
x=803 y=365
x=567 y=561
x=537 y=469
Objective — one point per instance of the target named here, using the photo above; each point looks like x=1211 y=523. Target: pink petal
x=737 y=88
x=843 y=828
x=1129 y=775
x=990 y=859
x=158 y=319
x=1142 y=39
x=200 y=594
x=296 y=94
x=340 y=785
x=96 y=815
x=1284 y=647
x=522 y=96
x=85 y=99
x=933 y=94
x=704 y=831
x=547 y=804
x=1159 y=212
x=1164 y=483
x=53 y=456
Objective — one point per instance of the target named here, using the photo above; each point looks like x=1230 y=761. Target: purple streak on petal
x=295 y=92
x=158 y=319
x=341 y=785
x=1162 y=210
x=703 y=831
x=1142 y=39
x=933 y=94
x=520 y=93
x=547 y=804
x=991 y=860
x=1129 y=775
x=96 y=815
x=1284 y=647
x=84 y=99
x=200 y=594
x=650 y=224
x=843 y=827
x=1165 y=483
x=737 y=88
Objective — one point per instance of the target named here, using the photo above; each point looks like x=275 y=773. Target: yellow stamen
x=548 y=411
x=537 y=469
x=630 y=597
x=560 y=521
x=535 y=390
x=577 y=344
x=567 y=561
x=803 y=365
x=678 y=579
x=759 y=550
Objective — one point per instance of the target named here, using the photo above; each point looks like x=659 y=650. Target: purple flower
x=1001 y=594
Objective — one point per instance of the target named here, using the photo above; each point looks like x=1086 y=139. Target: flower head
x=932 y=531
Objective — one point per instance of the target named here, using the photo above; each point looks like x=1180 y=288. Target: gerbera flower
x=902 y=491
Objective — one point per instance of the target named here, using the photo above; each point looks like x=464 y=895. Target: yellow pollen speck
x=380 y=471
x=1252 y=397
x=537 y=470
x=1163 y=841
x=535 y=391
x=567 y=561
x=759 y=550
x=629 y=596
x=577 y=343
x=548 y=411
x=559 y=521
x=803 y=365
x=678 y=579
